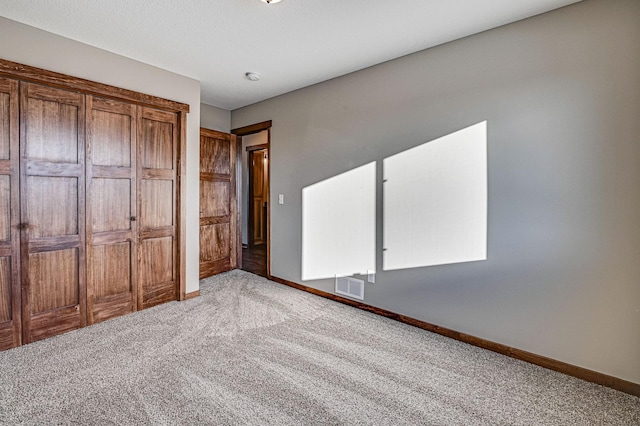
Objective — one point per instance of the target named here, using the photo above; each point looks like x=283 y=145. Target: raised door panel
x=52 y=126
x=257 y=216
x=10 y=322
x=112 y=133
x=54 y=280
x=111 y=209
x=111 y=206
x=257 y=172
x=218 y=209
x=158 y=191
x=215 y=155
x=52 y=211
x=112 y=269
x=52 y=203
x=215 y=242
x=157 y=270
x=112 y=281
x=258 y=223
x=158 y=142
x=216 y=198
x=157 y=203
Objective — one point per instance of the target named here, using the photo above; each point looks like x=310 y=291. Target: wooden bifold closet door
x=111 y=209
x=90 y=202
x=10 y=319
x=52 y=208
x=157 y=189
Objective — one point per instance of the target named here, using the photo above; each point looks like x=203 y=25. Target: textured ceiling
x=292 y=44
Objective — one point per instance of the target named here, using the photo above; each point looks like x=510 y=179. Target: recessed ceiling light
x=271 y=1
x=253 y=76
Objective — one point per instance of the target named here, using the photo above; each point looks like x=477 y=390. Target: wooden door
x=52 y=210
x=10 y=330
x=111 y=209
x=218 y=203
x=157 y=206
x=257 y=197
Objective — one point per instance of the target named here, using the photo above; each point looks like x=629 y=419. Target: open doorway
x=258 y=195
x=254 y=167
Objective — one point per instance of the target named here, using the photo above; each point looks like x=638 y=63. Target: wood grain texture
x=54 y=322
x=10 y=298
x=157 y=144
x=5 y=212
x=50 y=78
x=257 y=165
x=52 y=186
x=53 y=131
x=6 y=336
x=54 y=280
x=214 y=242
x=213 y=268
x=112 y=137
x=52 y=119
x=192 y=295
x=258 y=222
x=5 y=290
x=159 y=293
x=111 y=207
x=215 y=198
x=257 y=147
x=49 y=168
x=219 y=236
x=215 y=154
x=5 y=124
x=111 y=270
x=252 y=128
x=161 y=174
x=269 y=207
x=182 y=208
x=238 y=162
x=552 y=364
x=112 y=281
x=158 y=191
x=111 y=307
x=40 y=245
x=157 y=203
x=156 y=264
x=258 y=195
x=52 y=203
x=145 y=234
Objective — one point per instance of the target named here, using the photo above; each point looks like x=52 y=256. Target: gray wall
x=31 y=46
x=215 y=118
x=561 y=93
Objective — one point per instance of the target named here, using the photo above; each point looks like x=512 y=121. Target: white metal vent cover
x=350 y=287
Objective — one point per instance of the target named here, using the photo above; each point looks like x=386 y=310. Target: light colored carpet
x=249 y=351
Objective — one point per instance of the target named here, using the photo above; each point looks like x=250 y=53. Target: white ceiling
x=292 y=44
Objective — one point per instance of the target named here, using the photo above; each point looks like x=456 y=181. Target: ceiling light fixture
x=253 y=76
x=271 y=1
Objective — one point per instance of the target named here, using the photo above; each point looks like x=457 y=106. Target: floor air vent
x=350 y=287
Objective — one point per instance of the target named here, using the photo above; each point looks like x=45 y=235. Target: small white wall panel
x=339 y=225
x=435 y=201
